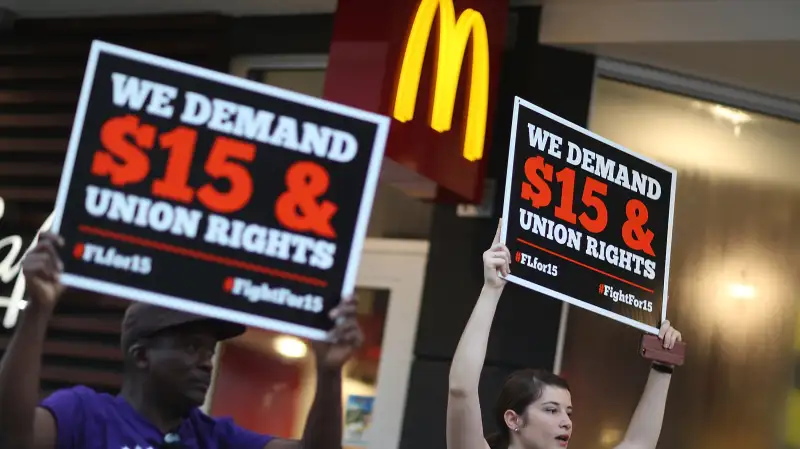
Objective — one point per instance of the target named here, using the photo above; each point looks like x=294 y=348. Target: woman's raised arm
x=645 y=426
x=464 y=423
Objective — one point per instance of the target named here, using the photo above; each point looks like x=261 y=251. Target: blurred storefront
x=708 y=88
x=715 y=97
x=731 y=281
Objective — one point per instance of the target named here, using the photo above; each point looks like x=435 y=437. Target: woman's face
x=546 y=424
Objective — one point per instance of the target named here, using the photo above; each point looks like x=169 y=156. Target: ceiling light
x=290 y=347
x=610 y=437
x=734 y=116
x=742 y=291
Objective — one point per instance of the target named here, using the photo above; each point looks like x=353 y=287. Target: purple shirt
x=86 y=419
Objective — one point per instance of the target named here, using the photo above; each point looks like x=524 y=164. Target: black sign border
x=519 y=102
x=188 y=305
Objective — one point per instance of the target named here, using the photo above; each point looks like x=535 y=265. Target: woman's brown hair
x=520 y=389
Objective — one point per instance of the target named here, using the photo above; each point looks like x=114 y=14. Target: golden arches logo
x=453 y=37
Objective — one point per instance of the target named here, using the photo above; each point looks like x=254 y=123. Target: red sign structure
x=432 y=65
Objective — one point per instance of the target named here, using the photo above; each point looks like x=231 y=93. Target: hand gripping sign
x=205 y=192
x=587 y=221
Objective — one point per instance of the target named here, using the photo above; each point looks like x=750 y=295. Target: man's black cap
x=143 y=320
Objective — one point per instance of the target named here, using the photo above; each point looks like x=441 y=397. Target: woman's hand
x=645 y=426
x=496 y=258
x=668 y=335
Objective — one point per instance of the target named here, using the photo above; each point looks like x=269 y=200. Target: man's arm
x=22 y=424
x=645 y=426
x=324 y=423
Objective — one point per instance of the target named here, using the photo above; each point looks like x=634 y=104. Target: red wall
x=260 y=392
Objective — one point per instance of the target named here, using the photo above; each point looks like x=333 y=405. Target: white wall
x=627 y=21
x=751 y=44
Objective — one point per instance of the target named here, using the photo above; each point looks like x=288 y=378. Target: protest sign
x=587 y=221
x=201 y=191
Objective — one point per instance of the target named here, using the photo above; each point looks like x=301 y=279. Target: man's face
x=179 y=363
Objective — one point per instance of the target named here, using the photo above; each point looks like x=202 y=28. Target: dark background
x=194 y=279
x=574 y=280
x=42 y=71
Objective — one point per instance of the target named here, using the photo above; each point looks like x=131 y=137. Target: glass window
x=733 y=279
x=306 y=81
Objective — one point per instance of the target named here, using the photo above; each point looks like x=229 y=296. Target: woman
x=534 y=407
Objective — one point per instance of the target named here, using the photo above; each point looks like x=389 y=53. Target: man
x=167 y=373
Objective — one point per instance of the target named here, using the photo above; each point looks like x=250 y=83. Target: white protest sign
x=11 y=269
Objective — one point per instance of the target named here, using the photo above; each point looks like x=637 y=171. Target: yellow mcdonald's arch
x=453 y=37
